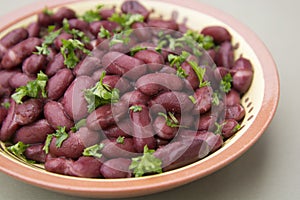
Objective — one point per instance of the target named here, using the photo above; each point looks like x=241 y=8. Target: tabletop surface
x=271 y=168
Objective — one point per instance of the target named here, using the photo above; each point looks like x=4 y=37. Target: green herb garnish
x=92 y=15
x=205 y=42
x=176 y=61
x=123 y=38
x=77 y=34
x=236 y=128
x=93 y=151
x=104 y=33
x=100 y=94
x=219 y=128
x=48 y=41
x=6 y=105
x=120 y=140
x=200 y=72
x=136 y=108
x=216 y=98
x=78 y=125
x=47 y=11
x=18 y=149
x=147 y=163
x=126 y=20
x=192 y=98
x=61 y=135
x=225 y=84
x=32 y=88
x=136 y=49
x=171 y=120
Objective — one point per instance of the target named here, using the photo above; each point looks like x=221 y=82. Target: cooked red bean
x=18 y=53
x=122 y=129
x=118 y=82
x=206 y=122
x=58 y=165
x=33 y=30
x=219 y=34
x=29 y=111
x=163 y=130
x=107 y=13
x=33 y=64
x=177 y=102
x=134 y=7
x=113 y=149
x=232 y=98
x=36 y=153
x=192 y=77
x=135 y=97
x=74 y=101
x=55 y=65
x=241 y=80
x=242 y=64
x=82 y=26
x=116 y=168
x=9 y=125
x=224 y=56
x=153 y=59
x=5 y=76
x=229 y=128
x=88 y=167
x=106 y=116
x=108 y=25
x=151 y=84
x=121 y=64
x=44 y=19
x=163 y=24
x=56 y=115
x=203 y=98
x=63 y=36
x=88 y=137
x=87 y=66
x=20 y=79
x=58 y=83
x=220 y=72
x=97 y=74
x=3 y=114
x=34 y=133
x=236 y=112
x=63 y=13
x=141 y=31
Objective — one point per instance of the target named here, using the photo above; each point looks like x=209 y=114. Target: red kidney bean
x=135 y=97
x=187 y=120
x=108 y=25
x=28 y=112
x=163 y=24
x=82 y=26
x=44 y=19
x=87 y=66
x=134 y=7
x=116 y=168
x=33 y=30
x=220 y=72
x=161 y=142
x=121 y=64
x=236 y=112
x=9 y=125
x=242 y=64
x=34 y=133
x=192 y=77
x=118 y=82
x=141 y=31
x=20 y=79
x=163 y=130
x=5 y=76
x=219 y=34
x=153 y=59
x=106 y=116
x=63 y=36
x=203 y=98
x=12 y=38
x=18 y=53
x=33 y=64
x=55 y=65
x=241 y=80
x=206 y=122
x=113 y=149
x=224 y=56
x=232 y=98
x=74 y=101
x=88 y=137
x=58 y=165
x=142 y=130
x=123 y=128
x=63 y=13
x=168 y=70
x=151 y=84
x=36 y=153
x=97 y=74
x=211 y=53
x=58 y=83
x=177 y=102
x=229 y=128
x=107 y=13
x=3 y=114
x=56 y=115
x=88 y=167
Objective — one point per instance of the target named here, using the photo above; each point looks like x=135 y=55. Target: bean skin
x=107 y=13
x=242 y=64
x=58 y=41
x=55 y=65
x=134 y=7
x=163 y=24
x=151 y=84
x=192 y=77
x=34 y=133
x=229 y=128
x=20 y=79
x=28 y=112
x=87 y=66
x=163 y=130
x=236 y=112
x=36 y=153
x=5 y=76
x=44 y=19
x=177 y=102
x=141 y=31
x=118 y=82
x=74 y=101
x=116 y=168
x=88 y=137
x=206 y=122
x=33 y=30
x=33 y=64
x=9 y=125
x=88 y=167
x=153 y=59
x=203 y=98
x=55 y=114
x=58 y=83
x=113 y=149
x=242 y=80
x=108 y=25
x=18 y=53
x=220 y=73
x=3 y=114
x=135 y=97
x=12 y=38
x=58 y=165
x=232 y=98
x=219 y=34
x=63 y=13
x=224 y=56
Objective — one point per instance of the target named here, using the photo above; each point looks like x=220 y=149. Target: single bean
x=224 y=56
x=168 y=70
x=44 y=19
x=242 y=80
x=163 y=24
x=113 y=149
x=141 y=31
x=108 y=25
x=163 y=130
x=211 y=53
x=3 y=114
x=123 y=129
x=191 y=75
x=177 y=102
x=116 y=168
x=88 y=137
x=33 y=30
x=28 y=112
x=135 y=97
x=33 y=64
x=58 y=84
x=20 y=79
x=63 y=13
x=203 y=98
x=5 y=76
x=220 y=73
x=87 y=167
x=236 y=112
x=52 y=54
x=134 y=7
x=59 y=165
x=151 y=84
x=58 y=41
x=36 y=153
x=12 y=38
x=97 y=74
x=9 y=125
x=113 y=81
x=34 y=133
x=87 y=66
x=232 y=98
x=229 y=128
x=82 y=26
x=242 y=64
x=219 y=34
x=206 y=122
x=56 y=115
x=18 y=53
x=55 y=65
x=107 y=13
x=153 y=59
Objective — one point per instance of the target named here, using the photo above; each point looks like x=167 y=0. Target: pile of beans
x=145 y=80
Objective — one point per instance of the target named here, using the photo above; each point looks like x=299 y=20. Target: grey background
x=271 y=168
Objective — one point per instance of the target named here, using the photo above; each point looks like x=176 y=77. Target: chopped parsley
x=104 y=33
x=192 y=98
x=32 y=88
x=78 y=125
x=77 y=34
x=6 y=105
x=123 y=38
x=216 y=98
x=92 y=15
x=225 y=84
x=219 y=127
x=236 y=128
x=18 y=149
x=120 y=140
x=47 y=11
x=126 y=20
x=176 y=61
x=93 y=151
x=136 y=108
x=171 y=120
x=61 y=135
x=48 y=41
x=200 y=72
x=147 y=163
x=136 y=49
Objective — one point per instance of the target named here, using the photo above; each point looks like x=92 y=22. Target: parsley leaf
x=104 y=33
x=225 y=84
x=136 y=49
x=136 y=108
x=120 y=140
x=32 y=88
x=126 y=20
x=18 y=149
x=181 y=73
x=171 y=120
x=218 y=131
x=100 y=94
x=192 y=98
x=68 y=51
x=147 y=163
x=123 y=38
x=93 y=151
x=216 y=98
x=78 y=125
x=61 y=135
x=47 y=11
x=92 y=15
x=6 y=105
x=205 y=42
x=176 y=61
x=236 y=128
x=48 y=40
x=77 y=34
x=200 y=72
